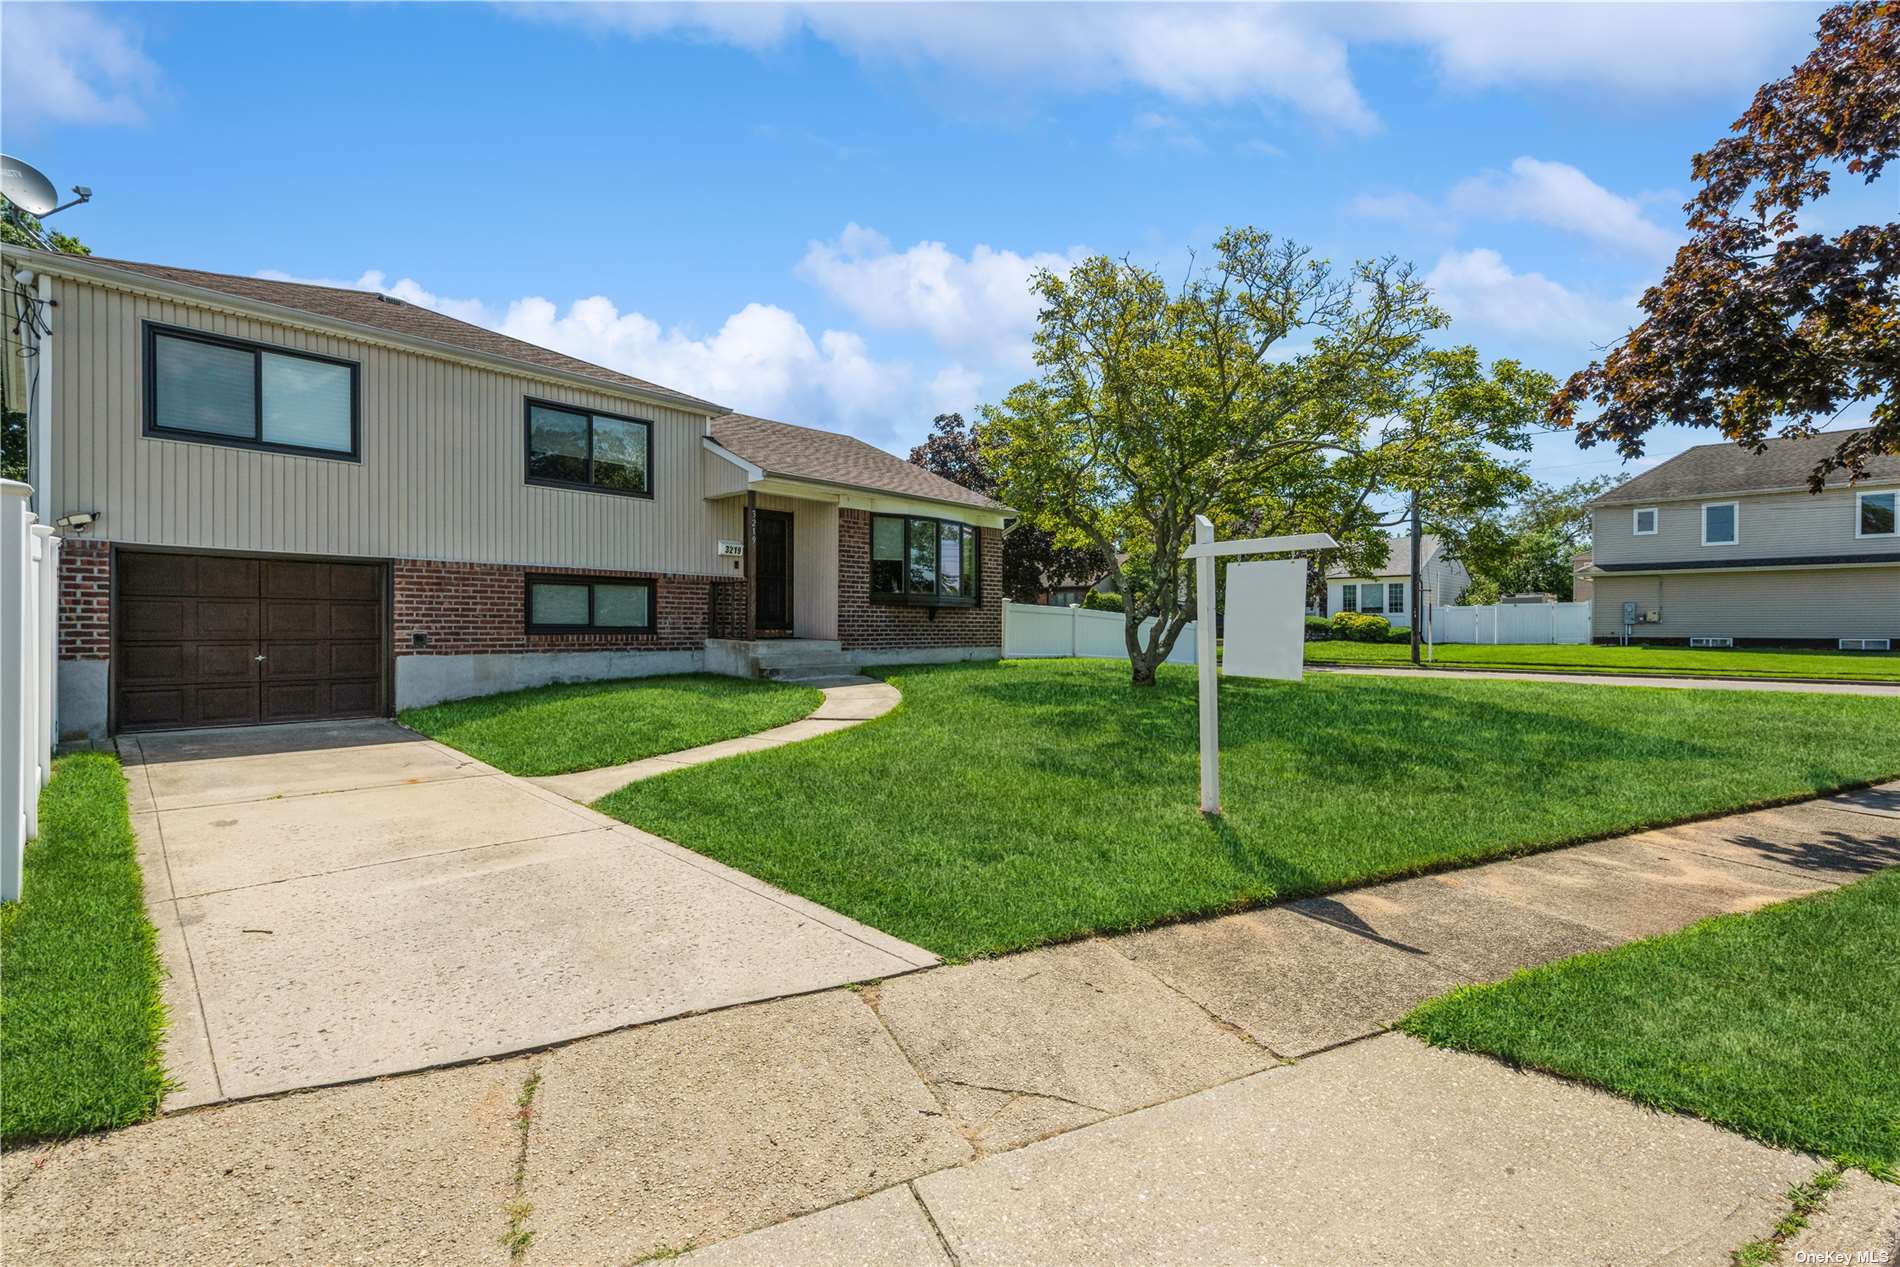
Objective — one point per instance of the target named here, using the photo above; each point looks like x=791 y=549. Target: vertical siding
x=441 y=475
x=814 y=564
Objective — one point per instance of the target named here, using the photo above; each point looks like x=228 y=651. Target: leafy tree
x=1532 y=549
x=1031 y=557
x=1262 y=392
x=1756 y=320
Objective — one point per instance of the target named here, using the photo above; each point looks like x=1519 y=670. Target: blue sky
x=826 y=214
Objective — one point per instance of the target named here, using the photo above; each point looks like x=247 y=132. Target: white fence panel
x=1513 y=622
x=29 y=625
x=1031 y=631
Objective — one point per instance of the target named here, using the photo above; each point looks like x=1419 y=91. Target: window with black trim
x=584 y=448
x=577 y=604
x=216 y=390
x=923 y=562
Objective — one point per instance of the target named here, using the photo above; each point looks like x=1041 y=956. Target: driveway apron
x=338 y=901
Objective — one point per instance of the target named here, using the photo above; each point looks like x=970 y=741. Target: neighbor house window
x=1719 y=523
x=572 y=604
x=1349 y=597
x=1875 y=514
x=232 y=391
x=1645 y=525
x=1395 y=597
x=584 y=448
x=927 y=562
x=1372 y=598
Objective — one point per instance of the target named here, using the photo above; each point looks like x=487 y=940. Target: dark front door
x=772 y=571
x=237 y=640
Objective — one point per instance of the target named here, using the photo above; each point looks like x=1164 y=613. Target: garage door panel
x=356 y=620
x=157 y=574
x=223 y=577
x=190 y=628
x=284 y=619
x=294 y=578
x=222 y=618
x=359 y=581
x=154 y=618
x=224 y=662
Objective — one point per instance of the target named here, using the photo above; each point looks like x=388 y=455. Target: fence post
x=1075 y=635
x=14 y=659
x=48 y=737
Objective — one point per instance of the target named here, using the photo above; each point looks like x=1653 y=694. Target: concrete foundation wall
x=927 y=655
x=82 y=699
x=423 y=680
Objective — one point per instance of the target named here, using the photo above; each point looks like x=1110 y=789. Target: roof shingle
x=1729 y=468
x=780 y=448
x=368 y=308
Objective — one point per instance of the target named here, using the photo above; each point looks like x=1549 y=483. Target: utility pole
x=1418 y=581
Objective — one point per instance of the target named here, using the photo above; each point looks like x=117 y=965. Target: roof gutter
x=78 y=266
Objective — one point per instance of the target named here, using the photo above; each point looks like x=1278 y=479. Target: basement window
x=583 y=604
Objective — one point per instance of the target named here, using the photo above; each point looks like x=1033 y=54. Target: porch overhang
x=742 y=477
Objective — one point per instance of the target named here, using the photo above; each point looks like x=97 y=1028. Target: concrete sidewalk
x=1124 y=1100
x=1621 y=679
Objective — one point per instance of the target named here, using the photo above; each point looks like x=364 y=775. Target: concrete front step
x=807 y=666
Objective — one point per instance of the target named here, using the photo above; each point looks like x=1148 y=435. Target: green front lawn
x=81 y=1016
x=1781 y=1024
x=586 y=725
x=1003 y=805
x=1855 y=666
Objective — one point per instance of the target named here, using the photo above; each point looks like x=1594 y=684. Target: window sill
x=572 y=487
x=255 y=446
x=906 y=600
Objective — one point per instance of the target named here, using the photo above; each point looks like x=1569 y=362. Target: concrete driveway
x=338 y=901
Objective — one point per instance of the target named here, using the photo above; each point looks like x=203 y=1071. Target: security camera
x=76 y=523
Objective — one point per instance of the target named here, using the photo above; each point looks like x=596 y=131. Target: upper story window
x=584 y=448
x=1720 y=523
x=1644 y=524
x=1875 y=514
x=927 y=562
x=231 y=391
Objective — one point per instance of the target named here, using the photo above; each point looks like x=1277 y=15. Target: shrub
x=1359 y=627
x=1098 y=602
x=1318 y=629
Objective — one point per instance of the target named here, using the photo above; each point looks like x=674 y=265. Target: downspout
x=39 y=448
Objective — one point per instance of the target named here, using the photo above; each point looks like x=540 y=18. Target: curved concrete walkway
x=1890 y=689
x=850 y=702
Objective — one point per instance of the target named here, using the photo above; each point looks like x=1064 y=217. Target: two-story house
x=1723 y=546
x=281 y=502
x=1387 y=589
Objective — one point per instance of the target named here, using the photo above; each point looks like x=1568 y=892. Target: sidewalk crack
x=942 y=1241
x=519 y=1235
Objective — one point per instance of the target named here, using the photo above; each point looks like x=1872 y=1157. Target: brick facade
x=864 y=625
x=85 y=599
x=481 y=609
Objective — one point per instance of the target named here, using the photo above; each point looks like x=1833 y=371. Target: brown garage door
x=229 y=640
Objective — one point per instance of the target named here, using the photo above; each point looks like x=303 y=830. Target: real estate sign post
x=1271 y=601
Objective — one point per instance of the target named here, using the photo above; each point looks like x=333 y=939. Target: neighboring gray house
x=1387 y=590
x=1719 y=543
x=285 y=502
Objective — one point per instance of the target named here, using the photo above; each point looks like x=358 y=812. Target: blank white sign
x=1265 y=629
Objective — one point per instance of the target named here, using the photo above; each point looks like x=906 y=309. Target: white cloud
x=1561 y=196
x=1198 y=54
x=1479 y=289
x=1408 y=209
x=979 y=305
x=761 y=360
x=68 y=64
x=1652 y=50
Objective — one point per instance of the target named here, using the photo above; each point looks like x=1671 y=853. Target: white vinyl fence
x=1513 y=622
x=1032 y=631
x=29 y=622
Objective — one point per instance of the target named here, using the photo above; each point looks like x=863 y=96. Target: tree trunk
x=1141 y=671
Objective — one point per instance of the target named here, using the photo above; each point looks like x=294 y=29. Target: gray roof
x=1730 y=468
x=805 y=453
x=1398 y=557
x=367 y=308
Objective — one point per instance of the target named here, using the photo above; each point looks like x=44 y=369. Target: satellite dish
x=26 y=187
